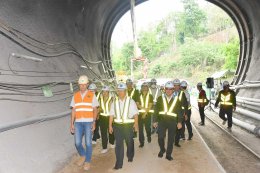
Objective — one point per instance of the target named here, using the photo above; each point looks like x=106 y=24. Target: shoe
x=149 y=139
x=224 y=122
x=81 y=161
x=183 y=139
x=229 y=129
x=94 y=142
x=169 y=158
x=112 y=146
x=141 y=145
x=201 y=124
x=130 y=160
x=117 y=167
x=177 y=145
x=86 y=166
x=160 y=154
x=190 y=136
x=104 y=151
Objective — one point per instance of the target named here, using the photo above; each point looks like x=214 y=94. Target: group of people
x=120 y=116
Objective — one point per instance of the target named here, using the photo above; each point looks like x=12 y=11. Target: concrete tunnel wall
x=87 y=26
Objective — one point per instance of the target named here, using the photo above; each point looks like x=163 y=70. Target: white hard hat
x=121 y=86
x=129 y=81
x=169 y=84
x=184 y=84
x=105 y=88
x=83 y=79
x=225 y=83
x=153 y=80
x=92 y=87
x=176 y=82
x=199 y=84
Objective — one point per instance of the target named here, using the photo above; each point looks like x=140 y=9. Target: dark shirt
x=135 y=96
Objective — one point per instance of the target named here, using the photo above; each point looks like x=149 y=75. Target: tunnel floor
x=193 y=157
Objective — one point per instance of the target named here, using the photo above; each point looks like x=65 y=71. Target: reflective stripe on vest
x=156 y=94
x=166 y=111
x=202 y=100
x=189 y=107
x=180 y=95
x=83 y=107
x=105 y=106
x=145 y=103
x=132 y=93
x=122 y=117
x=98 y=95
x=225 y=100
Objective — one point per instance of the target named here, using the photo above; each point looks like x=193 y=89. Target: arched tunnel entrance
x=48 y=44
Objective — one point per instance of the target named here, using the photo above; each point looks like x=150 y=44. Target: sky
x=146 y=14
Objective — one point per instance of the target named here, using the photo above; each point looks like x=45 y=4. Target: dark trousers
x=163 y=126
x=123 y=132
x=147 y=123
x=188 y=123
x=180 y=133
x=223 y=112
x=202 y=114
x=105 y=135
x=96 y=134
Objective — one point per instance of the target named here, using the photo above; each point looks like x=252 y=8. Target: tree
x=231 y=52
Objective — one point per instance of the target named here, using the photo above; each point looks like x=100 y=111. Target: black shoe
x=149 y=139
x=130 y=160
x=201 y=124
x=177 y=145
x=141 y=145
x=169 y=158
x=160 y=154
x=117 y=167
x=190 y=136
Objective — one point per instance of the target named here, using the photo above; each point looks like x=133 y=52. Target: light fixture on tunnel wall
x=16 y=55
x=85 y=67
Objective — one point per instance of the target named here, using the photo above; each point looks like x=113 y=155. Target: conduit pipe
x=245 y=86
x=248 y=113
x=256 y=108
x=38 y=119
x=252 y=128
x=248 y=99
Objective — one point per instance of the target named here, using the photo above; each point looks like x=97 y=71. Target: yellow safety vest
x=122 y=117
x=166 y=110
x=98 y=95
x=105 y=106
x=132 y=93
x=225 y=100
x=145 y=103
x=202 y=100
x=156 y=94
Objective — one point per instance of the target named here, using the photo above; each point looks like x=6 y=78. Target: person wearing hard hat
x=133 y=93
x=84 y=113
x=156 y=92
x=96 y=135
x=168 y=114
x=145 y=111
x=202 y=102
x=227 y=100
x=184 y=106
x=188 y=113
x=105 y=101
x=123 y=122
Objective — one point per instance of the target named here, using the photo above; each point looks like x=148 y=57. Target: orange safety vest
x=83 y=107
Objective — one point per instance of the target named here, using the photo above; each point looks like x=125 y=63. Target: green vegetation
x=192 y=44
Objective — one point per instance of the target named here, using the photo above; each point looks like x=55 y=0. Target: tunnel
x=48 y=43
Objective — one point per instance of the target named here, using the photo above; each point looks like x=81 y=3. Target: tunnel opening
x=165 y=43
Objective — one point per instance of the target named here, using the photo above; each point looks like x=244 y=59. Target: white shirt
x=132 y=108
x=94 y=104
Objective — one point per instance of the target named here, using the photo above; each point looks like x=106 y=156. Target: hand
x=179 y=126
x=185 y=117
x=234 y=108
x=135 y=127
x=110 y=129
x=72 y=129
x=93 y=126
x=155 y=125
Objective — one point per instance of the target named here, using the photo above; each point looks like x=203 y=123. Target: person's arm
x=111 y=118
x=95 y=114
x=72 y=120
x=218 y=99
x=180 y=113
x=234 y=101
x=136 y=122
